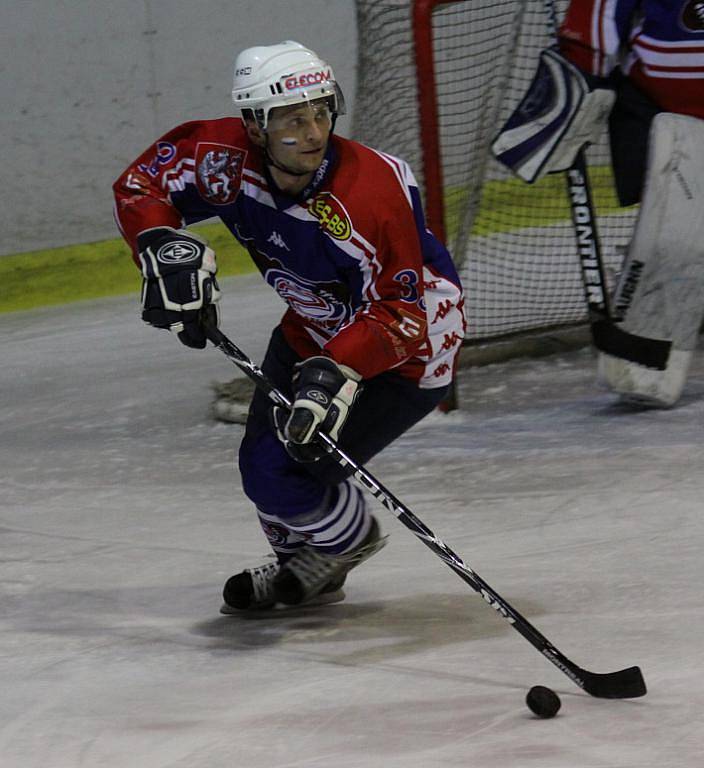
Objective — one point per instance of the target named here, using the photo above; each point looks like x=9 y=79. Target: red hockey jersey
x=659 y=44
x=364 y=280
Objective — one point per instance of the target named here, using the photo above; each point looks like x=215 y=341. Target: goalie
x=638 y=67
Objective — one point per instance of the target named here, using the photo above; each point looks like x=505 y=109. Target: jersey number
x=409 y=282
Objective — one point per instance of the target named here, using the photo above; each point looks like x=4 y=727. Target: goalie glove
x=558 y=115
x=179 y=290
x=324 y=392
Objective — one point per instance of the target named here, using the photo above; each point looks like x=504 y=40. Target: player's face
x=298 y=135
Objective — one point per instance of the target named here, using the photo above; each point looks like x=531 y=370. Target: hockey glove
x=324 y=392
x=179 y=290
x=560 y=113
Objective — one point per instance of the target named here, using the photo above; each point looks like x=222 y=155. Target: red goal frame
x=431 y=160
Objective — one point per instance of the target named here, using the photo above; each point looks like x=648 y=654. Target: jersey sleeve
x=391 y=325
x=144 y=191
x=593 y=31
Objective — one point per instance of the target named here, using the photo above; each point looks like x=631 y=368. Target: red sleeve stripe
x=605 y=36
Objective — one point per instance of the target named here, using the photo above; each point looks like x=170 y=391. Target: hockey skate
x=309 y=574
x=253 y=590
x=231 y=400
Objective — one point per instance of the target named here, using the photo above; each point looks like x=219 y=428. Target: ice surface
x=121 y=516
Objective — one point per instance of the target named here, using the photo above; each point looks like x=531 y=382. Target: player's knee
x=261 y=467
x=273 y=481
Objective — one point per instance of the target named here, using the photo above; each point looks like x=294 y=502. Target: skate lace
x=263 y=580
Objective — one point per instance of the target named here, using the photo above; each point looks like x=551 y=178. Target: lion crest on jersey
x=693 y=16
x=219 y=172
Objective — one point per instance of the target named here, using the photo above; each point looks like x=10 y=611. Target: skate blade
x=322 y=599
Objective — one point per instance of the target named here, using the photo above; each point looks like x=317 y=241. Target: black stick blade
x=624 y=684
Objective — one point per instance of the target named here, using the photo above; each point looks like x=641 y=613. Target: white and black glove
x=562 y=111
x=179 y=290
x=324 y=392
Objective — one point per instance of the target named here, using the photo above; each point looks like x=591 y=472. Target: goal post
x=436 y=80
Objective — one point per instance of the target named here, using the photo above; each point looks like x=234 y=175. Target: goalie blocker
x=661 y=289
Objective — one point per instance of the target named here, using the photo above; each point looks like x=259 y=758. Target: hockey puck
x=543 y=702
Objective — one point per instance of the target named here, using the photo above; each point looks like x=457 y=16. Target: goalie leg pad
x=646 y=386
x=661 y=291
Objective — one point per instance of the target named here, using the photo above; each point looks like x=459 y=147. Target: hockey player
x=374 y=316
x=646 y=58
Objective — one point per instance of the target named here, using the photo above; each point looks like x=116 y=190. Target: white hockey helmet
x=269 y=76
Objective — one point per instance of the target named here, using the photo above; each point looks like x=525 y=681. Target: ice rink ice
x=121 y=516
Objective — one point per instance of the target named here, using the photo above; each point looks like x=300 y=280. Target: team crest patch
x=332 y=215
x=693 y=16
x=325 y=303
x=219 y=172
x=276 y=534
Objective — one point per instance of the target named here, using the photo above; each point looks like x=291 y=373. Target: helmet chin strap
x=271 y=161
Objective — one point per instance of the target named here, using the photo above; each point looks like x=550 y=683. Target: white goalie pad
x=661 y=289
x=558 y=115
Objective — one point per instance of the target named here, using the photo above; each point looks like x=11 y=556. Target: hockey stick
x=624 y=684
x=606 y=334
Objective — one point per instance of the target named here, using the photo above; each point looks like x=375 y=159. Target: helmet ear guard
x=282 y=75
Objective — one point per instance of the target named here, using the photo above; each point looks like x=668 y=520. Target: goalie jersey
x=364 y=280
x=663 y=41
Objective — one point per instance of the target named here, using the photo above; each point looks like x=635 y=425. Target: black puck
x=543 y=702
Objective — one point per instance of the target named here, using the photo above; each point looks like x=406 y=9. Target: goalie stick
x=606 y=333
x=623 y=684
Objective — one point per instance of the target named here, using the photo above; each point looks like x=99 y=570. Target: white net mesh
x=514 y=243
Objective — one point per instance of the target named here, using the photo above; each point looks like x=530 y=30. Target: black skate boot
x=250 y=590
x=253 y=590
x=310 y=573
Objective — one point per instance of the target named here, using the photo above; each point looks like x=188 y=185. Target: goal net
x=436 y=80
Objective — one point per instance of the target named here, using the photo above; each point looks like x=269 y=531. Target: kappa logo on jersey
x=277 y=240
x=219 y=172
x=693 y=16
x=442 y=370
x=179 y=252
x=332 y=215
x=451 y=340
